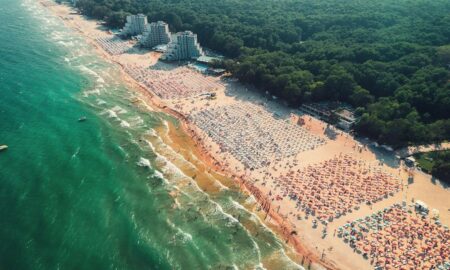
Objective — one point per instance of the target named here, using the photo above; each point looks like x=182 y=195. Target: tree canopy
x=437 y=163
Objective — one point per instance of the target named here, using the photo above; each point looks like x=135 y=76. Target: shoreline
x=277 y=222
x=282 y=230
x=292 y=234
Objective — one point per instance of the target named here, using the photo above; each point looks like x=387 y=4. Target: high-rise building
x=184 y=47
x=155 y=33
x=135 y=25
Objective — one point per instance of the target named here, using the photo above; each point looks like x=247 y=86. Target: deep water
x=109 y=192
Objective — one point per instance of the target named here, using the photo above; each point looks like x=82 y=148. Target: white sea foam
x=260 y=267
x=88 y=70
x=118 y=109
x=143 y=162
x=95 y=91
x=182 y=236
x=76 y=153
x=168 y=167
x=237 y=205
x=67 y=44
x=231 y=221
x=173 y=153
x=110 y=113
x=166 y=126
x=151 y=146
x=159 y=174
x=250 y=200
x=101 y=102
x=136 y=121
x=217 y=182
x=94 y=74
x=124 y=124
x=151 y=132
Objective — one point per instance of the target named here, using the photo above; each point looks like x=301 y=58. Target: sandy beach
x=310 y=179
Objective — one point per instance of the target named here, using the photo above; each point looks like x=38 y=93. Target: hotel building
x=135 y=25
x=155 y=33
x=184 y=47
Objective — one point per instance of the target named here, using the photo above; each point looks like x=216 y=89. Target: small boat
x=81 y=119
x=3 y=147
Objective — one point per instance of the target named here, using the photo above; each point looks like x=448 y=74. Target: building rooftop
x=346 y=114
x=207 y=59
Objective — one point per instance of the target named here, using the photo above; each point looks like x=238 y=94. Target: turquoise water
x=110 y=192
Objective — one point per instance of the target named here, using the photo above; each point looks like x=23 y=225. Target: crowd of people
x=253 y=135
x=181 y=82
x=335 y=187
x=114 y=45
x=398 y=238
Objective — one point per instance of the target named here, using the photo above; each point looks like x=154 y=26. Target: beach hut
x=435 y=213
x=410 y=161
x=421 y=207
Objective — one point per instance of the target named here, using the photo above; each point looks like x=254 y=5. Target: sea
x=122 y=189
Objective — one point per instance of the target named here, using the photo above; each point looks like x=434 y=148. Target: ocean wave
x=151 y=132
x=151 y=146
x=181 y=237
x=75 y=154
x=83 y=68
x=168 y=168
x=118 y=109
x=250 y=200
x=67 y=44
x=95 y=91
x=100 y=80
x=166 y=126
x=172 y=153
x=158 y=174
x=88 y=70
x=136 y=121
x=101 y=102
x=124 y=124
x=237 y=205
x=110 y=113
x=143 y=162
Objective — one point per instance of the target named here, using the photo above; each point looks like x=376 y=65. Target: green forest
x=390 y=59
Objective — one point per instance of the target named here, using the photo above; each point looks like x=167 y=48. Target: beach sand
x=282 y=215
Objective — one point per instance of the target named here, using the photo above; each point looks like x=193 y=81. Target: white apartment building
x=135 y=25
x=155 y=33
x=184 y=47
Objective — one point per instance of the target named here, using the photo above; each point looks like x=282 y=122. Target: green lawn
x=426 y=161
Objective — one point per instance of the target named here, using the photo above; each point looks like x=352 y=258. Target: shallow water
x=116 y=191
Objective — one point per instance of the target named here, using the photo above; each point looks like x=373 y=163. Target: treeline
x=439 y=164
x=388 y=58
x=441 y=168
